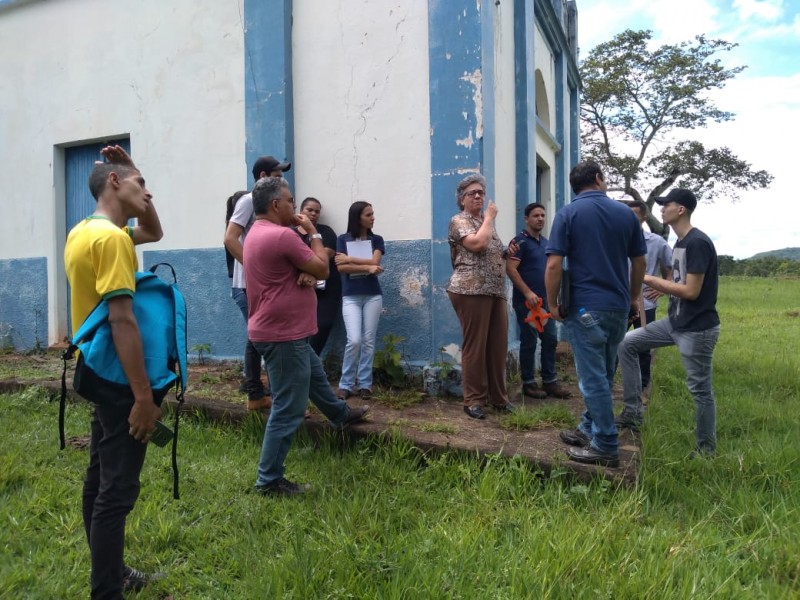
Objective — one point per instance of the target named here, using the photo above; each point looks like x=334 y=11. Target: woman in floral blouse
x=477 y=292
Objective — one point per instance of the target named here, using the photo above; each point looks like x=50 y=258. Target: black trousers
x=110 y=490
x=329 y=308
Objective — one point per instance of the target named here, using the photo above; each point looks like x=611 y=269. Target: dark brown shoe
x=555 y=390
x=531 y=391
x=260 y=405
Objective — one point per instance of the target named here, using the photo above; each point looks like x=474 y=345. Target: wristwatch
x=315 y=236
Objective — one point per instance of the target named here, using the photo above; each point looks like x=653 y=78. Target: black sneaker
x=475 y=412
x=628 y=420
x=574 y=437
x=355 y=415
x=134 y=580
x=506 y=408
x=590 y=456
x=282 y=487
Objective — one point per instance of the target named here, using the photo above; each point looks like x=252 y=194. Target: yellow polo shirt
x=100 y=262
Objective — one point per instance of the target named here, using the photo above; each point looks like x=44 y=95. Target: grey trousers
x=696 y=349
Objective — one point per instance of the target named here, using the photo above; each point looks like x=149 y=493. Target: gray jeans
x=696 y=349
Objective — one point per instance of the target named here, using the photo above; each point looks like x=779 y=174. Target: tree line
x=766 y=266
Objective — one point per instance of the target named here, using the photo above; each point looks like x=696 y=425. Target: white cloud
x=789 y=30
x=768 y=10
x=763 y=134
x=671 y=22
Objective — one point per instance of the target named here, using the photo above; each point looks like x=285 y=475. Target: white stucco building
x=390 y=102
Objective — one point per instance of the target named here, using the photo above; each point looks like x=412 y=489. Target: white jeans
x=361 y=315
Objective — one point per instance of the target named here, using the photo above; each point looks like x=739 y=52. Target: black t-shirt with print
x=696 y=254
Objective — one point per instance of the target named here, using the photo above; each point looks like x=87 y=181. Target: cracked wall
x=361 y=111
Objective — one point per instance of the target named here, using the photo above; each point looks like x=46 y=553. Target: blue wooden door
x=79 y=161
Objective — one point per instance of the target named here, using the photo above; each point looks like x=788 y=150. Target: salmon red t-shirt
x=280 y=310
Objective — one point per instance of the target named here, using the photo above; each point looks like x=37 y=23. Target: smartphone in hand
x=162 y=435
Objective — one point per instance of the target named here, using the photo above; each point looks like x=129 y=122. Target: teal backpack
x=160 y=311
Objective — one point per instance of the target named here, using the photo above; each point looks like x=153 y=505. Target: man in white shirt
x=238 y=226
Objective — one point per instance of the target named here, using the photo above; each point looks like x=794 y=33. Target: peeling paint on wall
x=467 y=141
x=453 y=350
x=475 y=79
x=412 y=284
x=469 y=171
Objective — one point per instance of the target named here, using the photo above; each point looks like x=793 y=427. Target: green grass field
x=385 y=521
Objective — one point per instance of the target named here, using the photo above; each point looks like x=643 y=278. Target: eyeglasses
x=475 y=193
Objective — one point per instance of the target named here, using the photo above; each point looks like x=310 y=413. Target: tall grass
x=385 y=520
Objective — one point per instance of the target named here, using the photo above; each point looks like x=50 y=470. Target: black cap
x=680 y=196
x=268 y=164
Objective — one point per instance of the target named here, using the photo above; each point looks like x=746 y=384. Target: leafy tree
x=727 y=264
x=637 y=100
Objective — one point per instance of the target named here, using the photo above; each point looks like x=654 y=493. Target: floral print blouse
x=475 y=273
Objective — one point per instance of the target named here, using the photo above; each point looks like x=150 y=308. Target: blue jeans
x=296 y=374
x=595 y=350
x=361 y=315
x=696 y=349
x=527 y=348
x=252 y=361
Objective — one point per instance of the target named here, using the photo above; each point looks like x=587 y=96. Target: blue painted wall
x=23 y=303
x=525 y=107
x=269 y=115
x=214 y=319
x=454 y=38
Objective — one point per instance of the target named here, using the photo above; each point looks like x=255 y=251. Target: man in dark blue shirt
x=692 y=324
x=597 y=236
x=526 y=271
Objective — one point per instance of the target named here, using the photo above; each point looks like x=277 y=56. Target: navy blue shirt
x=532 y=262
x=360 y=285
x=597 y=235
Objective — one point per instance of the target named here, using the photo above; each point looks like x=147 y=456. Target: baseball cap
x=268 y=164
x=680 y=196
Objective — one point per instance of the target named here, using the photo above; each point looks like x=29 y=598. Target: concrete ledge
x=541 y=448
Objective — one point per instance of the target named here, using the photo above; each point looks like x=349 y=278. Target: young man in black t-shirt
x=692 y=324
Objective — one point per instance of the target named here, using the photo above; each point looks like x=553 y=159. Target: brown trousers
x=484 y=324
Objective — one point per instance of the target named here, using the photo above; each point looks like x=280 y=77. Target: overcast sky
x=765 y=98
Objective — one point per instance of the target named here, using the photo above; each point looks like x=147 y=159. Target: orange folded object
x=538 y=317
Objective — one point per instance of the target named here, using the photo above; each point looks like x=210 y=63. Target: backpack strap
x=96 y=318
x=181 y=346
x=62 y=404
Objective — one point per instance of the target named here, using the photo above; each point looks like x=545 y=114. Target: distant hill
x=791 y=253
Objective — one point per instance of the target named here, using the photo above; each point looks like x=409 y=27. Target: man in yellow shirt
x=101 y=263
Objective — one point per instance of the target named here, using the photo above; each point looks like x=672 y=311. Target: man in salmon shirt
x=283 y=315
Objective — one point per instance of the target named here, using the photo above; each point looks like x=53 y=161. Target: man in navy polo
x=597 y=235
x=526 y=271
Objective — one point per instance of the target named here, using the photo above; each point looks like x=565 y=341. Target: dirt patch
x=431 y=424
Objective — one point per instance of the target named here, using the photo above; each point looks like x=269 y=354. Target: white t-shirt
x=244 y=217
